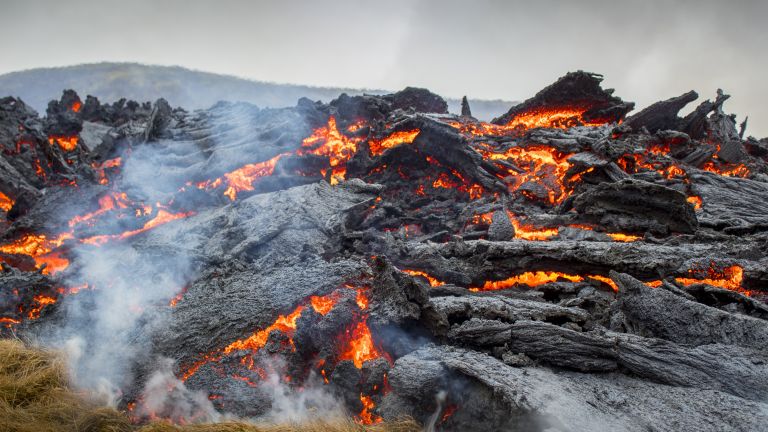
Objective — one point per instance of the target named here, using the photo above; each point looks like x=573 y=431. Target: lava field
x=570 y=265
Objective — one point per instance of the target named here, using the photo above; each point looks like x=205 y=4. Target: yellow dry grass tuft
x=35 y=396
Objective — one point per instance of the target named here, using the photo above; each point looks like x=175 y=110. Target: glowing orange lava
x=66 y=143
x=484 y=218
x=106 y=203
x=8 y=322
x=696 y=201
x=619 y=237
x=532 y=279
x=242 y=179
x=540 y=164
x=561 y=118
x=359 y=345
x=432 y=281
x=606 y=280
x=76 y=106
x=39 y=247
x=529 y=232
x=729 y=278
x=733 y=171
x=324 y=304
x=163 y=217
x=103 y=166
x=393 y=140
x=283 y=323
x=445 y=182
x=41 y=301
x=328 y=141
x=5 y=203
x=366 y=415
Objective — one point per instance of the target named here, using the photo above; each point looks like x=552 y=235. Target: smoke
x=310 y=402
x=166 y=395
x=106 y=330
x=440 y=399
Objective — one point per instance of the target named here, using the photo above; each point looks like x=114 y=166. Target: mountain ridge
x=111 y=81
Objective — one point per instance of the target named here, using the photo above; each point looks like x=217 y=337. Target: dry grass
x=36 y=397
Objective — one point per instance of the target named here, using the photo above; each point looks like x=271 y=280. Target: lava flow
x=543 y=165
x=162 y=217
x=5 y=203
x=556 y=118
x=433 y=282
x=529 y=232
x=39 y=247
x=537 y=278
x=329 y=141
x=393 y=140
x=729 y=278
x=67 y=143
x=242 y=179
x=359 y=345
x=561 y=118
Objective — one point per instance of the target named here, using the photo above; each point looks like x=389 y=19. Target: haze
x=647 y=50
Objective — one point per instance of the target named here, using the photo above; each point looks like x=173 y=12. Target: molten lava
x=366 y=415
x=39 y=247
x=619 y=237
x=106 y=203
x=447 y=413
x=8 y=322
x=558 y=117
x=76 y=105
x=532 y=279
x=538 y=278
x=729 y=278
x=561 y=118
x=324 y=304
x=540 y=164
x=696 y=201
x=732 y=171
x=284 y=323
x=482 y=218
x=163 y=217
x=41 y=301
x=432 y=281
x=393 y=140
x=328 y=141
x=359 y=345
x=445 y=182
x=103 y=166
x=606 y=280
x=529 y=232
x=242 y=179
x=66 y=143
x=5 y=203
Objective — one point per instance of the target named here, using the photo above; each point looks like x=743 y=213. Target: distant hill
x=183 y=87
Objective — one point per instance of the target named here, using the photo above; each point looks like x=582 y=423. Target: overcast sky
x=647 y=49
